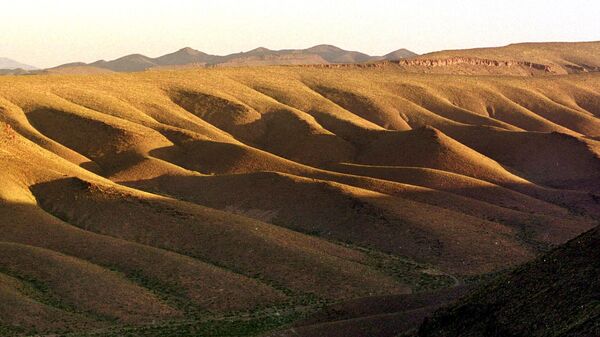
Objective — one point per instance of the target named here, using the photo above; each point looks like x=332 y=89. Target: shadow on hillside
x=328 y=210
x=382 y=316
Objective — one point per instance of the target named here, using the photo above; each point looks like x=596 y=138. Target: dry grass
x=563 y=57
x=161 y=194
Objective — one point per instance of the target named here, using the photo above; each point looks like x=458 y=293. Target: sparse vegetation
x=554 y=295
x=224 y=327
x=236 y=201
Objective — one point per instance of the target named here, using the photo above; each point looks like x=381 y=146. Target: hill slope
x=226 y=195
x=555 y=295
x=515 y=59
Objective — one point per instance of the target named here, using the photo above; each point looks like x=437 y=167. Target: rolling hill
x=236 y=200
x=554 y=295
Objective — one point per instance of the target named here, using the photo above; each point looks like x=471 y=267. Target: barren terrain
x=251 y=197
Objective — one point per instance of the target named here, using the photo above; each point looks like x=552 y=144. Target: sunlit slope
x=100 y=254
x=524 y=59
x=232 y=189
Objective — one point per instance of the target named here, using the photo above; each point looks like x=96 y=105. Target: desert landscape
x=317 y=168
x=302 y=193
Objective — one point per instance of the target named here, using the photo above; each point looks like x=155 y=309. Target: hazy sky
x=47 y=33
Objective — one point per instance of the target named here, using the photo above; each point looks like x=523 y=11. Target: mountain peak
x=400 y=54
x=324 y=48
x=259 y=50
x=189 y=51
x=6 y=63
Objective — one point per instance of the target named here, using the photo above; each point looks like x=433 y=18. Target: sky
x=47 y=33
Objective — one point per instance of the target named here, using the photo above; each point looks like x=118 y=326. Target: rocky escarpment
x=470 y=66
x=584 y=68
x=475 y=61
x=463 y=65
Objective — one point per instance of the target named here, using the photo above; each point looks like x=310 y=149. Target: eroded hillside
x=524 y=59
x=183 y=196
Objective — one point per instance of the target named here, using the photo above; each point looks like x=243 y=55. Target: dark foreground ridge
x=558 y=294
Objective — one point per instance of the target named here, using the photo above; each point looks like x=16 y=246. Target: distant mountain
x=318 y=54
x=399 y=55
x=8 y=64
x=135 y=62
x=336 y=55
x=186 y=56
x=321 y=54
x=269 y=57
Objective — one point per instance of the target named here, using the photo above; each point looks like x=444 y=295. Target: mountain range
x=521 y=59
x=10 y=64
x=321 y=54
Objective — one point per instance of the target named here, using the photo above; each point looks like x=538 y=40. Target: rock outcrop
x=475 y=61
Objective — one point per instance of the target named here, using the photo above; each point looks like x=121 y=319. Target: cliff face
x=582 y=68
x=459 y=66
x=462 y=65
x=478 y=65
x=475 y=61
x=561 y=57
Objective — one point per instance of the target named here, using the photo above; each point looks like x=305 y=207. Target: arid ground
x=315 y=200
